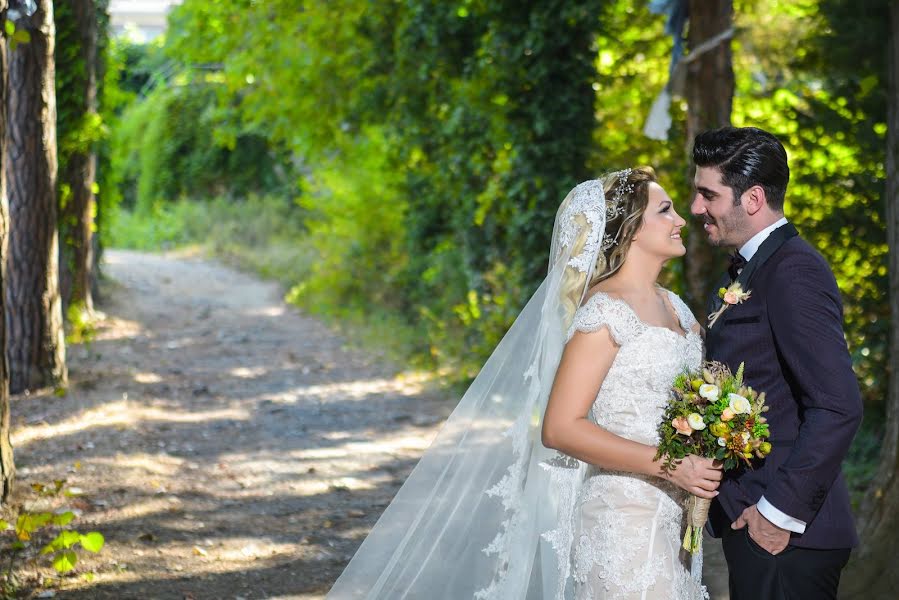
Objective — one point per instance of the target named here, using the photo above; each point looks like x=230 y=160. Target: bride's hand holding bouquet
x=711 y=414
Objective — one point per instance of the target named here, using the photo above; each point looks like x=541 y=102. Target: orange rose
x=682 y=426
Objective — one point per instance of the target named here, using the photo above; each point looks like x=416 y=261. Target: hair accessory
x=615 y=207
x=608 y=241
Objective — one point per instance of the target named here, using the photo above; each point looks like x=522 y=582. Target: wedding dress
x=489 y=513
x=628 y=528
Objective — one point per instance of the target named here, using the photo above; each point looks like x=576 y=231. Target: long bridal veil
x=486 y=513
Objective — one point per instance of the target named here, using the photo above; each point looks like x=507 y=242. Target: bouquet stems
x=697 y=514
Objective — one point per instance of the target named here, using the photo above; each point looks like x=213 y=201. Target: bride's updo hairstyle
x=627 y=195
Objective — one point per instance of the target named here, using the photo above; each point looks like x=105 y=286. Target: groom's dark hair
x=746 y=156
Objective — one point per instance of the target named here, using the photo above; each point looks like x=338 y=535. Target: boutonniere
x=733 y=294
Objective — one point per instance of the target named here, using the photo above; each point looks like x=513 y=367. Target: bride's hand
x=699 y=476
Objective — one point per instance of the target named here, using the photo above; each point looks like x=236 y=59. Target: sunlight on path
x=226 y=445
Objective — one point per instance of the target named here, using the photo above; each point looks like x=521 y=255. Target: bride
x=542 y=483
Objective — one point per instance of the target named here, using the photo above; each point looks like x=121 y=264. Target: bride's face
x=659 y=234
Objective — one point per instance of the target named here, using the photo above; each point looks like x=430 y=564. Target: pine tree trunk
x=34 y=312
x=78 y=19
x=7 y=466
x=710 y=92
x=870 y=573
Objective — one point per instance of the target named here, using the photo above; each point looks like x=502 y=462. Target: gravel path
x=226 y=445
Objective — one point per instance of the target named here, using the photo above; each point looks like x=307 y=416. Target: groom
x=786 y=525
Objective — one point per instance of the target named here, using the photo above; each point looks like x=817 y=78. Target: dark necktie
x=737 y=262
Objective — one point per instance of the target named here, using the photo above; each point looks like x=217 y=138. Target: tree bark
x=34 y=318
x=7 y=466
x=870 y=573
x=710 y=92
x=79 y=173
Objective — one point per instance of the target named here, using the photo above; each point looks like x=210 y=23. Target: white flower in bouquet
x=739 y=404
x=709 y=391
x=695 y=421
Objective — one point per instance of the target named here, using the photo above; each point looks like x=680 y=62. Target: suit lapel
x=765 y=251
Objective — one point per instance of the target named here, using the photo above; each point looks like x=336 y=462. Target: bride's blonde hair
x=631 y=189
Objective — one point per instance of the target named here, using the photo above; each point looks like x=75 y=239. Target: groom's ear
x=754 y=199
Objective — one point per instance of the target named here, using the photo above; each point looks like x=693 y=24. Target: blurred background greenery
x=397 y=165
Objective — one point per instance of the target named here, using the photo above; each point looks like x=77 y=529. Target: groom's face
x=723 y=221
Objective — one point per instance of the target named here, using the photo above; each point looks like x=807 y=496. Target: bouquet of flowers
x=713 y=415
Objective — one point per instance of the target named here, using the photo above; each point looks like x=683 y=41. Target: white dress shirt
x=749 y=249
x=768 y=510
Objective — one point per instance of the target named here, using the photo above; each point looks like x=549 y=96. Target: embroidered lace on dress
x=623 y=539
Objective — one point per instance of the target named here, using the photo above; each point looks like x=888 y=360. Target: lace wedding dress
x=626 y=529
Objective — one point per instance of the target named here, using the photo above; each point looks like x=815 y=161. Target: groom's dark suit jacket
x=790 y=335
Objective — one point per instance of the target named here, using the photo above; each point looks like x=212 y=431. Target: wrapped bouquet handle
x=697 y=515
x=711 y=414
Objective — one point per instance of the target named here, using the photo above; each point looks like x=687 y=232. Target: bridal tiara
x=615 y=207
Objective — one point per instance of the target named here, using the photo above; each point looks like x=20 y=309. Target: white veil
x=487 y=513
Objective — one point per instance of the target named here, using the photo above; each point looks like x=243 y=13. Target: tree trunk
x=101 y=219
x=7 y=466
x=34 y=318
x=710 y=92
x=77 y=81
x=870 y=573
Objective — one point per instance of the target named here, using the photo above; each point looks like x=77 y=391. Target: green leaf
x=65 y=561
x=93 y=541
x=27 y=523
x=63 y=519
x=65 y=539
x=21 y=36
x=9 y=27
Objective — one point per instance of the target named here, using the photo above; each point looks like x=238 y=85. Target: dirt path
x=226 y=446
x=229 y=447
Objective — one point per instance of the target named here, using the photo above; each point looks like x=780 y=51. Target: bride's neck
x=638 y=276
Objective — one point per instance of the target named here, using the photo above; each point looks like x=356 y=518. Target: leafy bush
x=165 y=149
x=32 y=525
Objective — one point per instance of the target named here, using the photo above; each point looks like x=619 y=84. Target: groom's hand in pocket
x=762 y=531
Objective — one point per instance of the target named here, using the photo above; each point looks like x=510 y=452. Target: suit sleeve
x=806 y=318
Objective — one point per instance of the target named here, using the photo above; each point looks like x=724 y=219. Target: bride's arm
x=584 y=365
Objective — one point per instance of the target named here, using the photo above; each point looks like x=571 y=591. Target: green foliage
x=435 y=141
x=112 y=98
x=80 y=127
x=165 y=150
x=81 y=326
x=14 y=35
x=861 y=462
x=813 y=73
x=29 y=526
x=429 y=144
